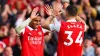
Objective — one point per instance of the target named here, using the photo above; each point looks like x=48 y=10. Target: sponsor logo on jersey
x=34 y=40
x=40 y=33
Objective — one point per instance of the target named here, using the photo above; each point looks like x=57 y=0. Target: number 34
x=79 y=39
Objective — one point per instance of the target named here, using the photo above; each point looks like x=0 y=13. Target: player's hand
x=34 y=13
x=49 y=10
x=55 y=11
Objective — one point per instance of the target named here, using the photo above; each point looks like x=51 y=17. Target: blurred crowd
x=13 y=12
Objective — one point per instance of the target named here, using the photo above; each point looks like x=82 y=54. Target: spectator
x=97 y=50
x=11 y=39
x=20 y=17
x=88 y=48
x=16 y=5
x=39 y=4
x=97 y=24
x=98 y=9
x=50 y=44
x=8 y=51
x=97 y=36
x=48 y=2
x=3 y=31
x=13 y=12
x=2 y=46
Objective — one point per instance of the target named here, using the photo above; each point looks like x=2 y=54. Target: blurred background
x=13 y=12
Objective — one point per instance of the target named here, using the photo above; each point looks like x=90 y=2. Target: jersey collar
x=31 y=28
x=71 y=20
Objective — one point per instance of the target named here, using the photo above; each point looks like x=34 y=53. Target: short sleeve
x=55 y=27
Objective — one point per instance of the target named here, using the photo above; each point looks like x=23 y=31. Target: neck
x=30 y=25
x=70 y=17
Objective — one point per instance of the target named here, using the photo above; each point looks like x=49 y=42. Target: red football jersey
x=32 y=42
x=7 y=41
x=70 y=38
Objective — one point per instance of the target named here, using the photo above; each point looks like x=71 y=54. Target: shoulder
x=81 y=22
x=63 y=23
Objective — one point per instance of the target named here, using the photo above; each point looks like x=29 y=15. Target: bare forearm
x=80 y=19
x=46 y=22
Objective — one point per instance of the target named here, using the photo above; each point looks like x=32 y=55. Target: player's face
x=35 y=22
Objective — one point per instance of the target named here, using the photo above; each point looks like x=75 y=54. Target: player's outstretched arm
x=49 y=11
x=52 y=12
x=80 y=19
x=26 y=22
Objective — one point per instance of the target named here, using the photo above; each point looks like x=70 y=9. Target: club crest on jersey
x=40 y=33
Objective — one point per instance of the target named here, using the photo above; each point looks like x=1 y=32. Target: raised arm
x=26 y=22
x=49 y=11
x=46 y=22
x=80 y=19
x=52 y=12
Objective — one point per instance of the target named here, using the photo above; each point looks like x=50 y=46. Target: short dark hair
x=72 y=10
